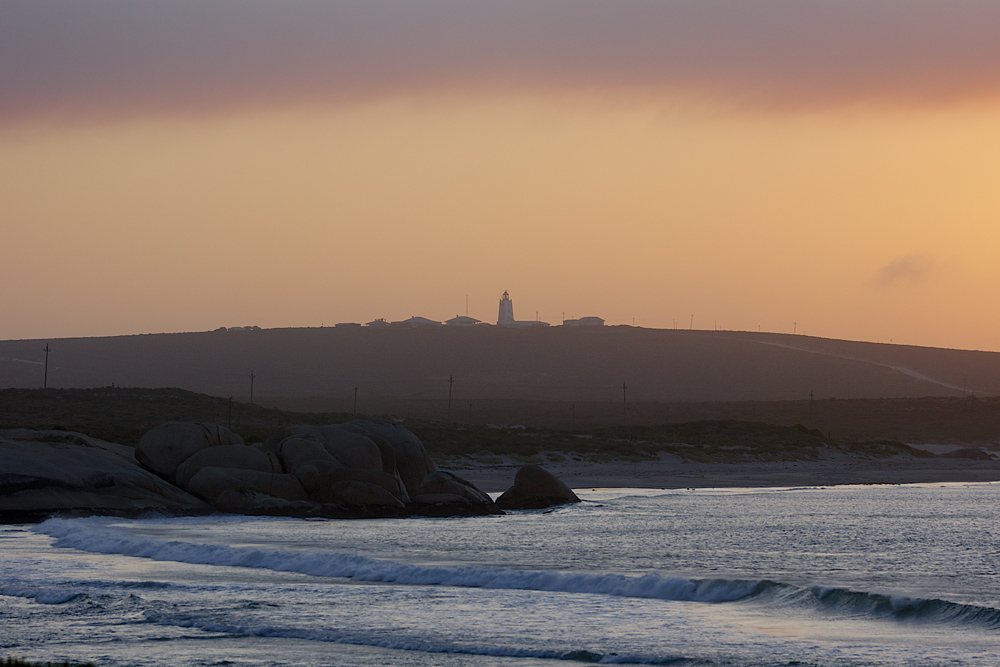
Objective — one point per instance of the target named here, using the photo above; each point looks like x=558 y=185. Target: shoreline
x=671 y=473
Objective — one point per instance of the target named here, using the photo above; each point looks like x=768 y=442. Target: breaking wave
x=94 y=535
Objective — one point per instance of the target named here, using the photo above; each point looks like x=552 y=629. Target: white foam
x=98 y=536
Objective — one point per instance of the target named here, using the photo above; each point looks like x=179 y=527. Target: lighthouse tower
x=506 y=316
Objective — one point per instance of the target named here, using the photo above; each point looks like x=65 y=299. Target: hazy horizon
x=827 y=169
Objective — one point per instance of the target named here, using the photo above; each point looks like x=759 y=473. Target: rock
x=47 y=472
x=442 y=482
x=441 y=499
x=308 y=473
x=246 y=501
x=376 y=477
x=358 y=494
x=535 y=488
x=411 y=459
x=226 y=456
x=352 y=450
x=210 y=483
x=163 y=448
x=299 y=449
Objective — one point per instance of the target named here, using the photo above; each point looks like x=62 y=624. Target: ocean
x=849 y=575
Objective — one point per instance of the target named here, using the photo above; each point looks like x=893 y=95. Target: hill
x=561 y=364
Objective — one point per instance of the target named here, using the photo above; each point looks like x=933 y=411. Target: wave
x=404 y=643
x=39 y=595
x=95 y=535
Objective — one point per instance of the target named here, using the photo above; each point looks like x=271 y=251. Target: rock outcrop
x=353 y=470
x=535 y=488
x=411 y=460
x=446 y=493
x=163 y=448
x=49 y=472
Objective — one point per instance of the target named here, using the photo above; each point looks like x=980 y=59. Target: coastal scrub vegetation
x=124 y=414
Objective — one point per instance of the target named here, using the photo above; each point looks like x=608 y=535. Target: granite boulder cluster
x=358 y=468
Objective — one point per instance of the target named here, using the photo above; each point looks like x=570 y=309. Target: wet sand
x=672 y=473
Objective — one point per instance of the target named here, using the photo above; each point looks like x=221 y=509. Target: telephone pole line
x=45 y=379
x=624 y=415
x=451 y=381
x=252 y=376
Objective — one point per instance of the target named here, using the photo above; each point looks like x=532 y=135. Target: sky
x=827 y=168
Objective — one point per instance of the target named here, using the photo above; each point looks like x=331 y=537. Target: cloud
x=120 y=58
x=911 y=268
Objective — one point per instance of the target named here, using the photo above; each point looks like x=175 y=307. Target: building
x=416 y=322
x=584 y=322
x=462 y=321
x=505 y=318
x=380 y=322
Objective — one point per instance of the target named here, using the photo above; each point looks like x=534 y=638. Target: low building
x=380 y=322
x=417 y=322
x=462 y=321
x=584 y=322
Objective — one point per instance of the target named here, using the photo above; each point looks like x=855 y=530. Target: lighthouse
x=505 y=318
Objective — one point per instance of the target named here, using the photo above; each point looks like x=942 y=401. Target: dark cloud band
x=118 y=57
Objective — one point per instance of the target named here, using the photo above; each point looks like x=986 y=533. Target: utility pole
x=355 y=401
x=691 y=326
x=451 y=381
x=252 y=376
x=624 y=414
x=45 y=379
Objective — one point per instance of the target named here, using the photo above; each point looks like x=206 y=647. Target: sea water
x=852 y=575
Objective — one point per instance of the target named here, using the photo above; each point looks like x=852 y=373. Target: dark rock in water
x=163 y=448
x=968 y=453
x=446 y=494
x=58 y=472
x=535 y=488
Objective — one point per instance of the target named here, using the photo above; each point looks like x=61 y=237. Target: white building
x=506 y=316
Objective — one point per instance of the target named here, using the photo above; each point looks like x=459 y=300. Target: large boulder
x=413 y=463
x=226 y=456
x=535 y=488
x=446 y=482
x=358 y=494
x=446 y=494
x=352 y=450
x=317 y=485
x=47 y=472
x=163 y=448
x=211 y=483
x=248 y=501
x=299 y=449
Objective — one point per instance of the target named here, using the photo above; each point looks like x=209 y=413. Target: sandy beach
x=672 y=473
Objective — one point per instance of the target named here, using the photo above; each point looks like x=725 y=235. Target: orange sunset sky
x=830 y=167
